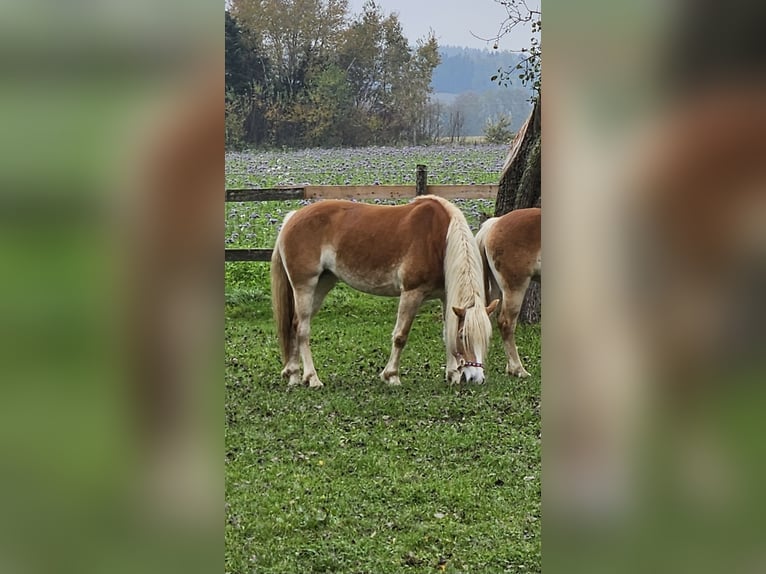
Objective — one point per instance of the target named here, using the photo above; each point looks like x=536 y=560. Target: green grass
x=360 y=477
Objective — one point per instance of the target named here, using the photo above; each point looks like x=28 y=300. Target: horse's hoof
x=314 y=382
x=519 y=372
x=390 y=379
x=293 y=377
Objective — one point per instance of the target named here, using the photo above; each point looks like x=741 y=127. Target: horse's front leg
x=452 y=372
x=409 y=303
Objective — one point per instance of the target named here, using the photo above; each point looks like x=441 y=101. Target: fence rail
x=360 y=192
x=242 y=254
x=364 y=192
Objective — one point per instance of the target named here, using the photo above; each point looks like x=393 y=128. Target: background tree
x=519 y=185
x=360 y=56
x=465 y=108
x=417 y=89
x=296 y=34
x=512 y=101
x=247 y=72
x=236 y=73
x=498 y=130
x=328 y=103
x=455 y=123
x=328 y=79
x=434 y=120
x=298 y=37
x=391 y=81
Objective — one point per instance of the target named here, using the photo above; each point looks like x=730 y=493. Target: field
x=361 y=477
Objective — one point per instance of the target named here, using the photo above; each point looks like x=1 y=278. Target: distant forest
x=469 y=69
x=323 y=78
x=461 y=83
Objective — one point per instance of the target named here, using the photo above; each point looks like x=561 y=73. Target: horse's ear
x=492 y=306
x=459 y=312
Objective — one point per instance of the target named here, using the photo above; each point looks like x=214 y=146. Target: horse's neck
x=462 y=290
x=462 y=270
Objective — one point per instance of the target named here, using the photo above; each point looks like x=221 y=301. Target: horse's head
x=474 y=332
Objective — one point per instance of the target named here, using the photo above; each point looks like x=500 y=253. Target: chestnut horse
x=510 y=250
x=418 y=251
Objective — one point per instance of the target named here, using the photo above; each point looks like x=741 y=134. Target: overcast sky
x=453 y=21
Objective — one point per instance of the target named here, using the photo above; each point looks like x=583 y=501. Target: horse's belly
x=375 y=281
x=376 y=277
x=387 y=287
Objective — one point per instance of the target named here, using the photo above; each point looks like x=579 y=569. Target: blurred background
x=654 y=143
x=110 y=151
x=655 y=238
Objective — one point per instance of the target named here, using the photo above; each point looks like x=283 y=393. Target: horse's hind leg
x=292 y=370
x=304 y=309
x=509 y=313
x=409 y=303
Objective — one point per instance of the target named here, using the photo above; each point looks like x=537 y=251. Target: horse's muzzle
x=473 y=373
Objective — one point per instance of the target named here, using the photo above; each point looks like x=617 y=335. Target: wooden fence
x=360 y=192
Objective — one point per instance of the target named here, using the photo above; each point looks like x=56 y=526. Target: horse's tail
x=282 y=299
x=490 y=284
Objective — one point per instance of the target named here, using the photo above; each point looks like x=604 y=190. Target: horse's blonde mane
x=463 y=282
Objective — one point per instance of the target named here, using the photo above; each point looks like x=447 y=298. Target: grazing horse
x=418 y=251
x=510 y=250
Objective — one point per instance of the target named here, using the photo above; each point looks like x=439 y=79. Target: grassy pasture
x=361 y=477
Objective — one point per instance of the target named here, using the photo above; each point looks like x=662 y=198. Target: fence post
x=421 y=180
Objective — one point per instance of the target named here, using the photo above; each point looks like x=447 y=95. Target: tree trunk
x=519 y=188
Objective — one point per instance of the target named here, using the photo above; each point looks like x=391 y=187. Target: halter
x=469 y=363
x=472 y=364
